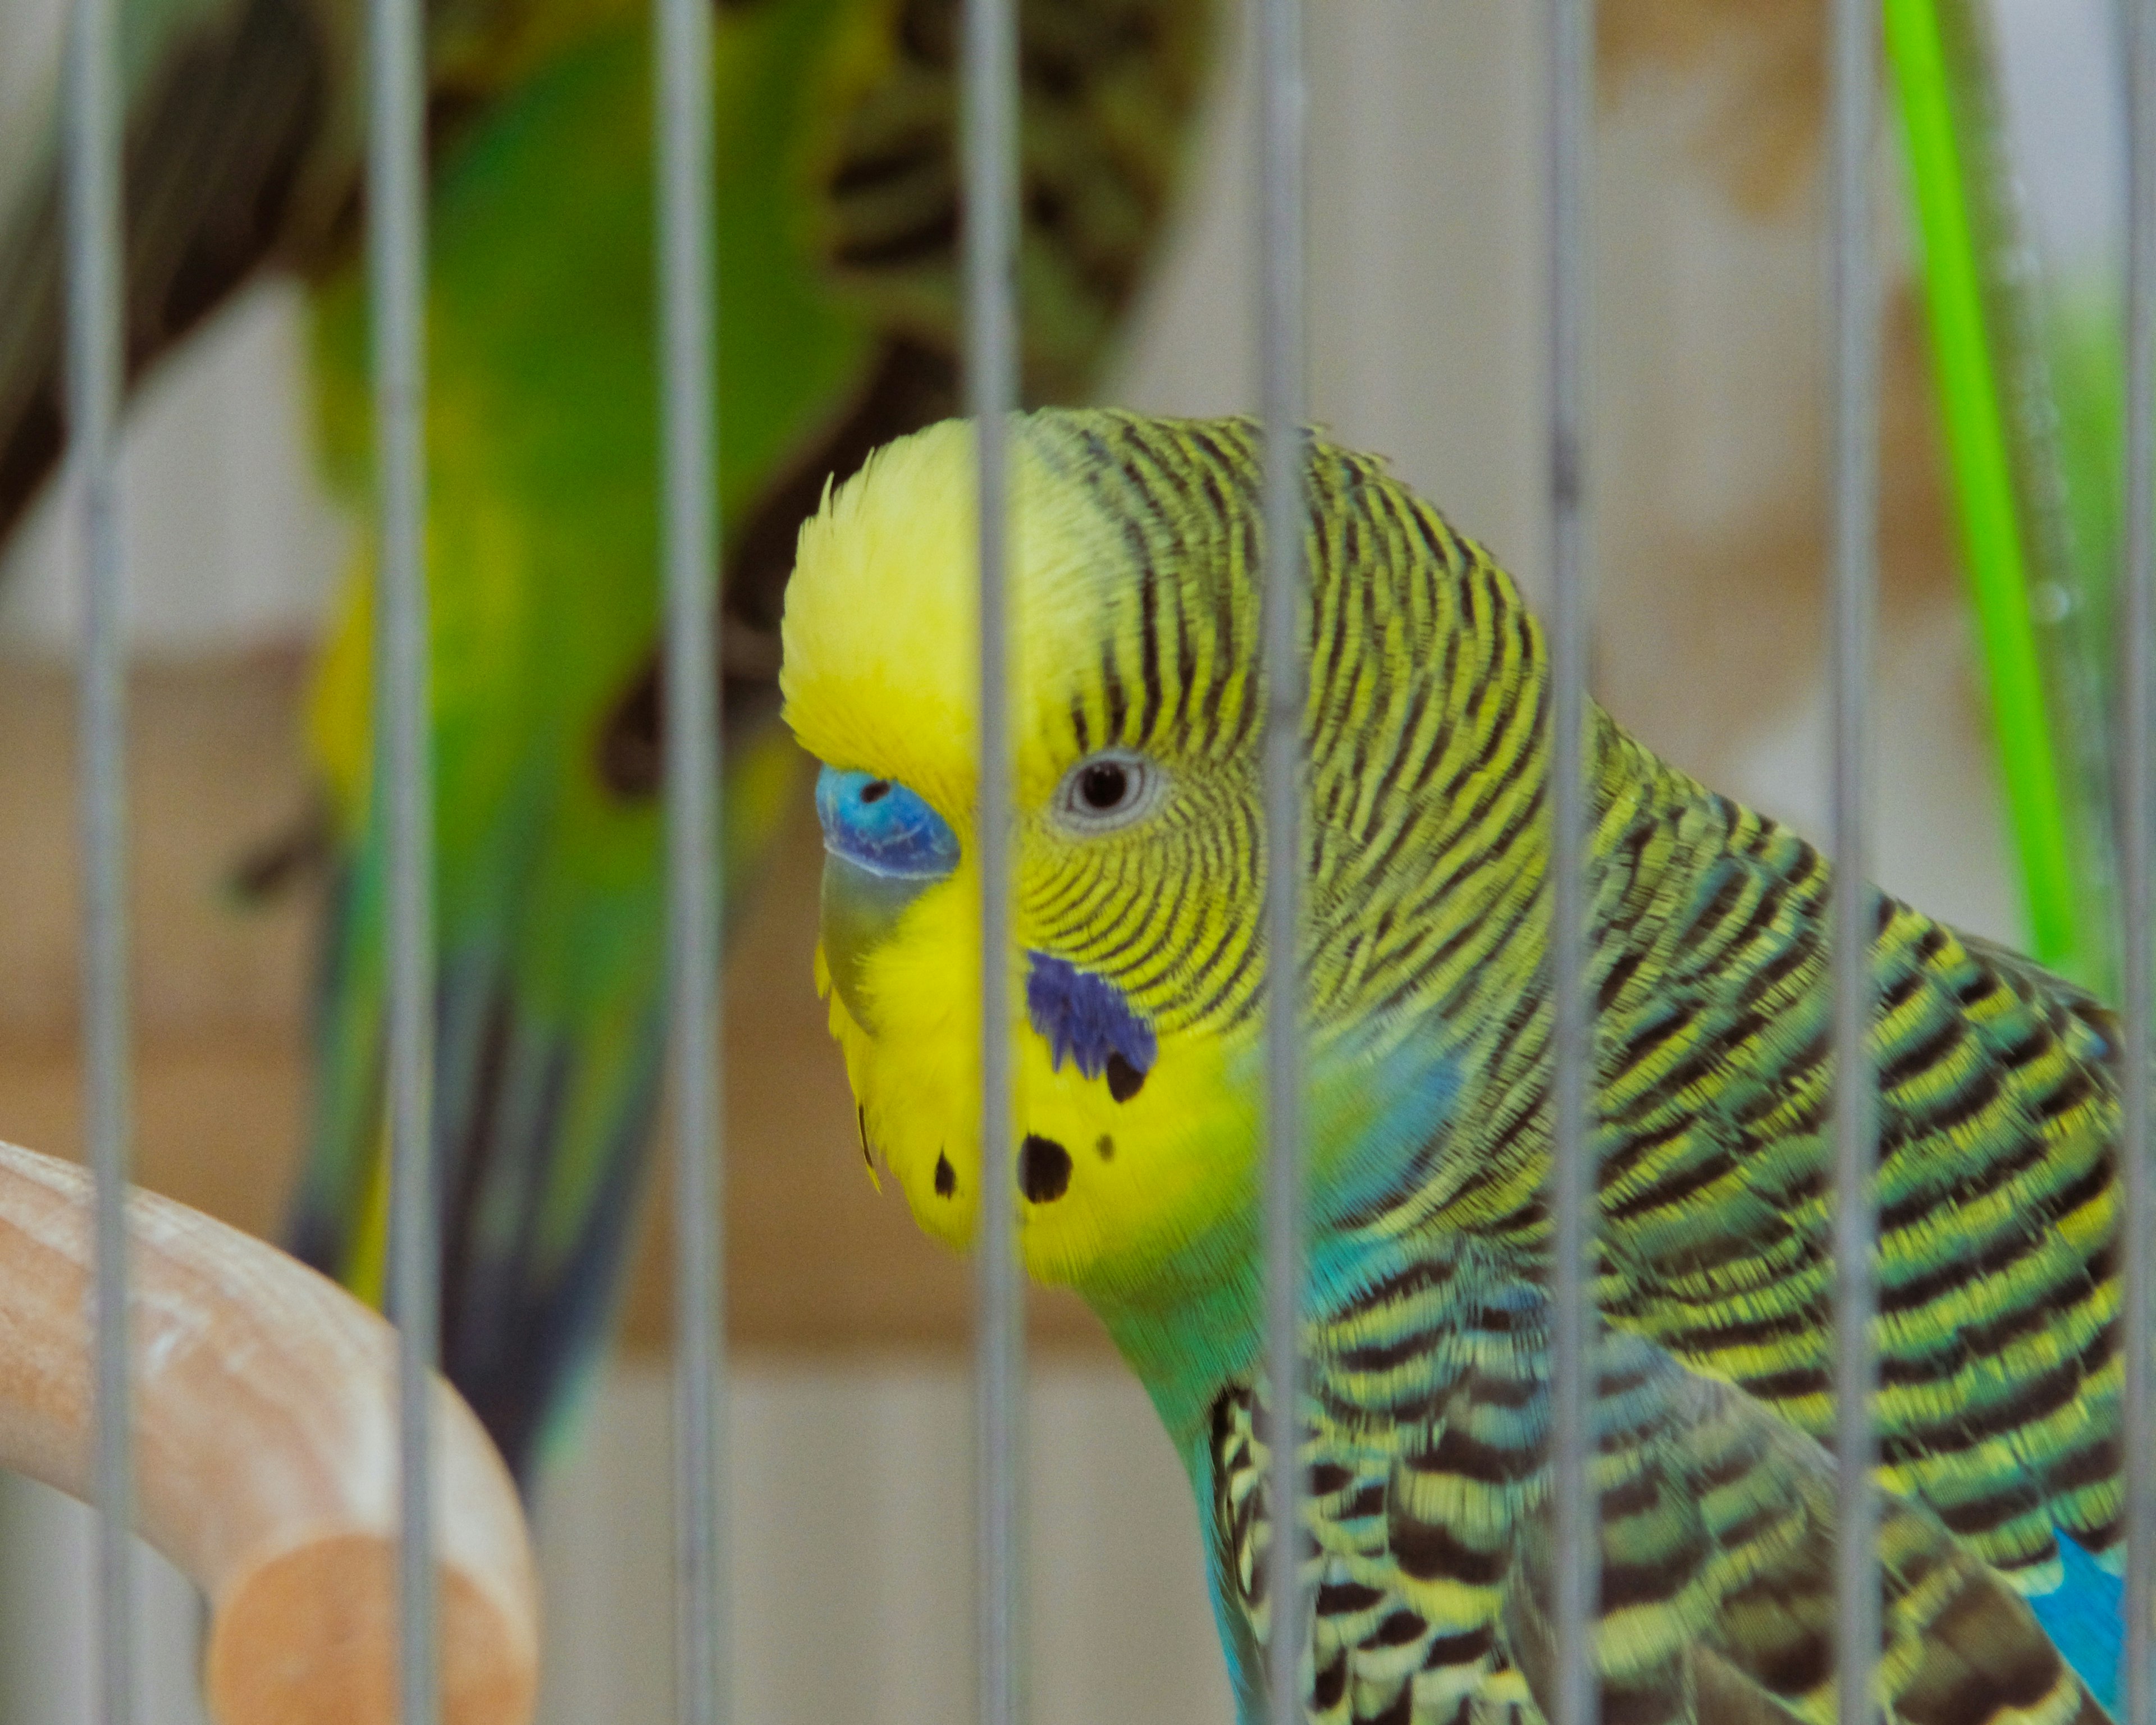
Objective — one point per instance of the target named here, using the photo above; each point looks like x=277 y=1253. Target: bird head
x=1137 y=711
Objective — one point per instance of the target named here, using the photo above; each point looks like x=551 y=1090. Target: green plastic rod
x=1978 y=450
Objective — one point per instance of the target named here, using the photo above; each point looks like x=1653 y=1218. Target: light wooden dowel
x=267 y=1460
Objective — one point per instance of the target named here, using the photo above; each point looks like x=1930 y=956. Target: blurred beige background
x=850 y=1421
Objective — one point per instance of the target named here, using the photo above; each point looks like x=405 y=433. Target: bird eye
x=1103 y=786
x=1109 y=790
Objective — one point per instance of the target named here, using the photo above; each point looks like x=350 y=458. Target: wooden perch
x=266 y=1460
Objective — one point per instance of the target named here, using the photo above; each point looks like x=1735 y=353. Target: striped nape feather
x=1426 y=883
x=1422 y=770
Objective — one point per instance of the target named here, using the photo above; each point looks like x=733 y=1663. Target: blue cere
x=879 y=825
x=1084 y=1017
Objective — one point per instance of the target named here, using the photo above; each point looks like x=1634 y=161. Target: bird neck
x=1429 y=1134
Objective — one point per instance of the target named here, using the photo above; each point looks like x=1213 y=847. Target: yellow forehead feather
x=881 y=631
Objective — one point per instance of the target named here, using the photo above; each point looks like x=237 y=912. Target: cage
x=1388 y=221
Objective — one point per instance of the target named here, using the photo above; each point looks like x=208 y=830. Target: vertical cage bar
x=990 y=263
x=1575 y=1522
x=1282 y=117
x=1854 y=104
x=2138 y=795
x=404 y=783
x=95 y=251
x=682 y=29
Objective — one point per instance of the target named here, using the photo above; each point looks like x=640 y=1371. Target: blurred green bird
x=839 y=213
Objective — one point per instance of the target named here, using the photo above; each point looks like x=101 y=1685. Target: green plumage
x=838 y=212
x=836 y=218
x=1426 y=1319
x=1997 y=1116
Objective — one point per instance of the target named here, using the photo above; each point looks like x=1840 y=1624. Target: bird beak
x=883 y=847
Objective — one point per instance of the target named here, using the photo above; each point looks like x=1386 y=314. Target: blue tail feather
x=2085 y=1617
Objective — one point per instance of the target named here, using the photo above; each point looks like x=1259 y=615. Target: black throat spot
x=1044 y=1169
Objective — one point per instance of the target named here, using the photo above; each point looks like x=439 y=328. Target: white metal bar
x=404 y=789
x=1575 y=1519
x=1282 y=117
x=1854 y=101
x=989 y=263
x=683 y=31
x=2137 y=794
x=95 y=367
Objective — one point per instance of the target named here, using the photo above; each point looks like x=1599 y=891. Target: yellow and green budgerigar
x=1139 y=976
x=838 y=215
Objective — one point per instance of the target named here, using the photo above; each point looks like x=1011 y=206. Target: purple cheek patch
x=1084 y=1017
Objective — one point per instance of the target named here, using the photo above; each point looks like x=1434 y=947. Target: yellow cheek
x=917 y=1080
x=1148 y=1176
x=1144 y=1177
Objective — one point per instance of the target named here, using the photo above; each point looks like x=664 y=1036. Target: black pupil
x=876 y=790
x=1103 y=786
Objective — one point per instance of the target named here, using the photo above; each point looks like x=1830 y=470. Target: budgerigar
x=1139 y=978
x=837 y=214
